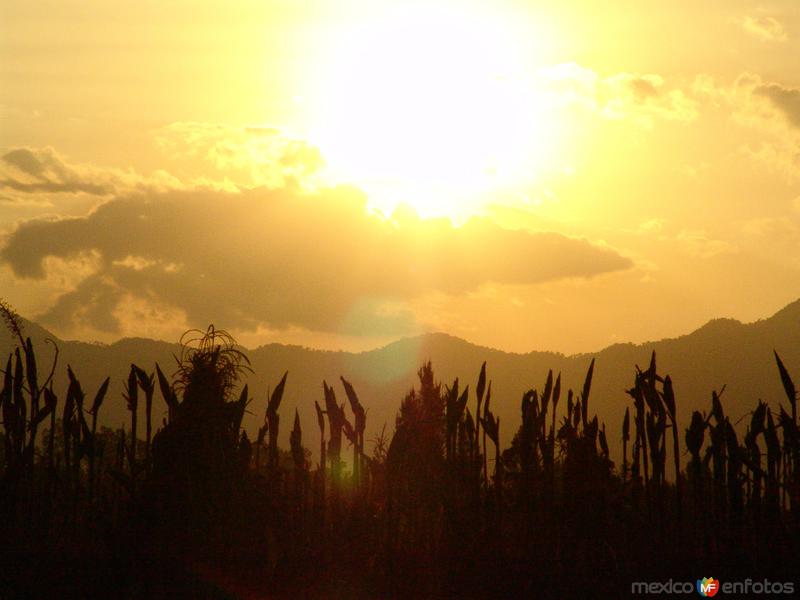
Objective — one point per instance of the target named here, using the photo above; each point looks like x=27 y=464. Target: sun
x=430 y=108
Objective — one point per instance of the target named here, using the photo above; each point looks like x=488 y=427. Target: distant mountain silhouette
x=722 y=352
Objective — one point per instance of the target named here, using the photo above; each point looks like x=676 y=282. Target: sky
x=524 y=175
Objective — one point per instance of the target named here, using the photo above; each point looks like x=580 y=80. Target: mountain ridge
x=790 y=310
x=721 y=352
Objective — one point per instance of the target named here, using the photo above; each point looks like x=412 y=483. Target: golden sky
x=525 y=175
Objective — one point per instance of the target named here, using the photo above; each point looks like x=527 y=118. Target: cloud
x=24 y=201
x=780 y=156
x=785 y=99
x=769 y=105
x=644 y=87
x=642 y=98
x=26 y=170
x=44 y=171
x=251 y=156
x=282 y=258
x=698 y=244
x=771 y=109
x=765 y=28
x=773 y=228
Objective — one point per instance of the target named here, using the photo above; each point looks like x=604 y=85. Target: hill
x=722 y=352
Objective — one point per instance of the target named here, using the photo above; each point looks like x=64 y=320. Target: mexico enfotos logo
x=708 y=587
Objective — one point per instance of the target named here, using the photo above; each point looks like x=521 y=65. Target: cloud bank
x=42 y=171
x=282 y=258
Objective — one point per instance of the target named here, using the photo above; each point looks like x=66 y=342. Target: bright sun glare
x=429 y=108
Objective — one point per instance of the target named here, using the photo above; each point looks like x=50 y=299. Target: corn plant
x=791 y=437
x=336 y=422
x=274 y=422
x=360 y=424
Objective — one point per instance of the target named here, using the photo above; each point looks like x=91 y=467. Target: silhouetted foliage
x=192 y=508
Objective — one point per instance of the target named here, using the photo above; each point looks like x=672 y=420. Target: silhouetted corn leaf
x=771 y=437
x=8 y=384
x=587 y=386
x=348 y=430
x=132 y=391
x=241 y=405
x=49 y=406
x=320 y=418
x=626 y=426
x=788 y=384
x=695 y=434
x=277 y=395
x=716 y=407
x=651 y=370
x=30 y=368
x=469 y=425
x=355 y=405
x=556 y=392
x=145 y=381
x=166 y=390
x=19 y=383
x=296 y=443
x=461 y=404
x=668 y=396
x=603 y=441
x=548 y=390
x=490 y=426
x=98 y=398
x=757 y=420
x=481 y=382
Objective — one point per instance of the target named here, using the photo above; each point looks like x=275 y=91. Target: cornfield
x=193 y=507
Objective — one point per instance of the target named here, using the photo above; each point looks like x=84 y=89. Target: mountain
x=722 y=352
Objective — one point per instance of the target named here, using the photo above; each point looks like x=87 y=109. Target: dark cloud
x=785 y=99
x=93 y=303
x=284 y=258
x=643 y=88
x=41 y=170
